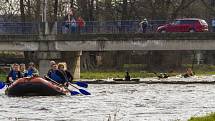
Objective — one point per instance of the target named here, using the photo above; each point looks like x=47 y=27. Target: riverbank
x=209 y=117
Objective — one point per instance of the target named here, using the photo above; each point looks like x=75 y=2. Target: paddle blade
x=84 y=92
x=74 y=93
x=81 y=84
x=2 y=85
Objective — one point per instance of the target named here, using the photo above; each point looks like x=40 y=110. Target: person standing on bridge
x=81 y=23
x=143 y=25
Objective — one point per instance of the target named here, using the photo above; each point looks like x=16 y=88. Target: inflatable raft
x=35 y=86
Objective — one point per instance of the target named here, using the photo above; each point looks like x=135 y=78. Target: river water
x=131 y=102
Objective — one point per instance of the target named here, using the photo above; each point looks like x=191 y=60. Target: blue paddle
x=81 y=84
x=2 y=85
x=74 y=93
x=71 y=92
x=81 y=90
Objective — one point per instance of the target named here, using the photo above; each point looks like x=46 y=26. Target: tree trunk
x=22 y=11
x=55 y=10
x=125 y=10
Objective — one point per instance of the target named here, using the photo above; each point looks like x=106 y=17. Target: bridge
x=108 y=42
x=70 y=46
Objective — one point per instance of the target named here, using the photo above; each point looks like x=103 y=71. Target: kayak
x=35 y=86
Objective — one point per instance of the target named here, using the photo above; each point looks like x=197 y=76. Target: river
x=121 y=102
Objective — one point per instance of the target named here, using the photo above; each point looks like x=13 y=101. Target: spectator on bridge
x=73 y=23
x=143 y=25
x=81 y=23
x=67 y=21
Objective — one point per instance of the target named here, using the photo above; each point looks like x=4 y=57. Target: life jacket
x=30 y=72
x=56 y=77
x=15 y=75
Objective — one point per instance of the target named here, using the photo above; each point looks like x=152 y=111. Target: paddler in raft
x=57 y=75
x=23 y=70
x=14 y=74
x=32 y=71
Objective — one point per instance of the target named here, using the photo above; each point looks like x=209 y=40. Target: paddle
x=2 y=85
x=81 y=84
x=81 y=90
x=71 y=92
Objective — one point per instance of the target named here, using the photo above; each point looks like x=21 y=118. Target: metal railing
x=19 y=28
x=107 y=27
x=88 y=27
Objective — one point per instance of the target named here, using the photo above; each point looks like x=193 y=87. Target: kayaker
x=66 y=73
x=23 y=70
x=188 y=73
x=32 y=71
x=57 y=75
x=127 y=76
x=14 y=74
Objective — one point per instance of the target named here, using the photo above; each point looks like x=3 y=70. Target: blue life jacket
x=14 y=75
x=56 y=78
x=30 y=72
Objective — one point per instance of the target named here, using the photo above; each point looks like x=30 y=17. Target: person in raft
x=14 y=74
x=188 y=73
x=32 y=71
x=57 y=75
x=68 y=76
x=23 y=70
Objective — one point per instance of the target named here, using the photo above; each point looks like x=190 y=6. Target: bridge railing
x=88 y=27
x=19 y=28
x=107 y=27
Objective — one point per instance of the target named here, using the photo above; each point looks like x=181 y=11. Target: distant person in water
x=32 y=71
x=23 y=70
x=161 y=75
x=127 y=76
x=14 y=74
x=188 y=73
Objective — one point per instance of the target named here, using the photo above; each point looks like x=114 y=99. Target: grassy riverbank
x=117 y=74
x=209 y=117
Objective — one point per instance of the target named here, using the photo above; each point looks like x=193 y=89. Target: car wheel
x=163 y=31
x=191 y=30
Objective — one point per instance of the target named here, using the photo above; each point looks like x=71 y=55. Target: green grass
x=117 y=74
x=108 y=74
x=209 y=117
x=3 y=77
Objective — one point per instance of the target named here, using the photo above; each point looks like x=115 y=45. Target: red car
x=185 y=25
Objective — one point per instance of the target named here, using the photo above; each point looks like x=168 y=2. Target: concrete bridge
x=57 y=46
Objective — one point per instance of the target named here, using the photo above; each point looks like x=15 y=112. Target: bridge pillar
x=199 y=57
x=73 y=60
x=44 y=59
